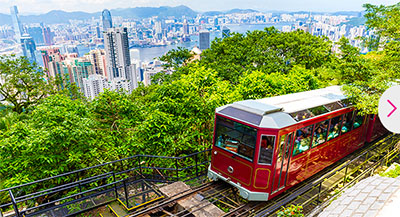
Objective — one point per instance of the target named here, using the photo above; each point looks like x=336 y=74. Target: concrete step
x=117 y=209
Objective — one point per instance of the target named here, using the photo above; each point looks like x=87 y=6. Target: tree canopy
x=22 y=84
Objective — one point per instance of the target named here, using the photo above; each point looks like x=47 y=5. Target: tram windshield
x=236 y=138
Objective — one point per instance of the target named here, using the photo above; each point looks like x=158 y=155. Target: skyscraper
x=28 y=47
x=47 y=36
x=98 y=32
x=204 y=38
x=98 y=60
x=185 y=28
x=16 y=23
x=106 y=18
x=226 y=32
x=117 y=56
x=50 y=57
x=37 y=34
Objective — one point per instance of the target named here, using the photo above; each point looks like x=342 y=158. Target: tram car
x=264 y=147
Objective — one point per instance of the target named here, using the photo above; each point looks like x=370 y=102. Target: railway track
x=167 y=206
x=309 y=194
x=331 y=181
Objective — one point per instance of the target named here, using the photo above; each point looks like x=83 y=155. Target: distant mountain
x=213 y=13
x=349 y=13
x=237 y=10
x=161 y=12
x=58 y=16
x=356 y=21
x=5 y=19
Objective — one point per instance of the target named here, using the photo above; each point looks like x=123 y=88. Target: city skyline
x=27 y=7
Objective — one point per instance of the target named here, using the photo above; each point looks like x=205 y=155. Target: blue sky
x=42 y=6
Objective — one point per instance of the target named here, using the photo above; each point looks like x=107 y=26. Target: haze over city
x=43 y=6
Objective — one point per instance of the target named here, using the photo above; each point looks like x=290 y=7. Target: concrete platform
x=373 y=196
x=194 y=204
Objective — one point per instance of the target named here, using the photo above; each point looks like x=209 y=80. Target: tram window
x=320 y=133
x=303 y=140
x=236 y=138
x=266 y=150
x=301 y=115
x=318 y=110
x=336 y=124
x=334 y=106
x=358 y=120
x=347 y=122
x=281 y=147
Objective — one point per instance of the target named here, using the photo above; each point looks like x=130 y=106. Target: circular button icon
x=389 y=109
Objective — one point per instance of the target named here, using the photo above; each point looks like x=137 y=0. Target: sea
x=148 y=54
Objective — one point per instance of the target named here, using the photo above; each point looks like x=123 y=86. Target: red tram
x=263 y=147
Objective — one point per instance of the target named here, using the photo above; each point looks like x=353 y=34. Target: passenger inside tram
x=334 y=132
x=303 y=140
x=320 y=136
x=345 y=124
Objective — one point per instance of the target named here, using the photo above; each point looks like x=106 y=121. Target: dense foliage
x=60 y=131
x=377 y=70
x=21 y=83
x=268 y=51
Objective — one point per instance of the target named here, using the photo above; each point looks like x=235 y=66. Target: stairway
x=114 y=209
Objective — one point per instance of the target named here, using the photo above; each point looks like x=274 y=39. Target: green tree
x=116 y=114
x=368 y=76
x=176 y=58
x=258 y=85
x=179 y=118
x=351 y=65
x=22 y=84
x=267 y=51
x=56 y=137
x=384 y=20
x=176 y=61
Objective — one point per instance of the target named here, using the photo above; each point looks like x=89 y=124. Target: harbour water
x=150 y=53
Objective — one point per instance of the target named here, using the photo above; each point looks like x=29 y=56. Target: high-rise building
x=119 y=66
x=37 y=34
x=204 y=38
x=106 y=19
x=18 y=29
x=94 y=85
x=116 y=46
x=71 y=49
x=47 y=36
x=185 y=28
x=98 y=60
x=78 y=69
x=50 y=57
x=28 y=47
x=226 y=32
x=98 y=34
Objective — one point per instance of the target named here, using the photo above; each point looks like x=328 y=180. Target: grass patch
x=393 y=171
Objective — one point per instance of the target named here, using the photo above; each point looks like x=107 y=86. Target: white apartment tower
x=94 y=85
x=117 y=53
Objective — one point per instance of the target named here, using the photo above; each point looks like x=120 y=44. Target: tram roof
x=281 y=111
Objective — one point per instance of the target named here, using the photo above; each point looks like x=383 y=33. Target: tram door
x=282 y=163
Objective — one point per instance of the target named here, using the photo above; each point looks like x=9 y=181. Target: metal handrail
x=100 y=165
x=145 y=172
